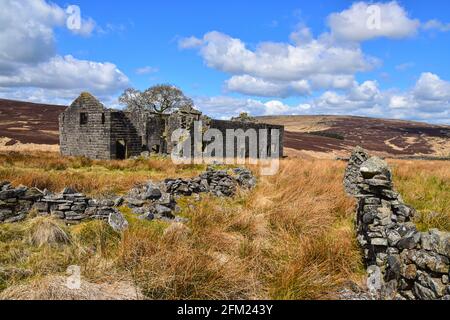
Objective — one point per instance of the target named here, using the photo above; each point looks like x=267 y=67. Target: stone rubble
x=158 y=200
x=402 y=262
x=150 y=201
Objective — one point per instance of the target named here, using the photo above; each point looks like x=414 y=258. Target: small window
x=183 y=122
x=83 y=118
x=103 y=118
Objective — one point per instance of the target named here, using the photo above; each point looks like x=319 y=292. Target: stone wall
x=402 y=263
x=91 y=139
x=150 y=201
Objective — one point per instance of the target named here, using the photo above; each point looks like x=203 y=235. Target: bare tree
x=162 y=98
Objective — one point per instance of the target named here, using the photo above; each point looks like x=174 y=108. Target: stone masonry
x=89 y=129
x=402 y=263
x=152 y=200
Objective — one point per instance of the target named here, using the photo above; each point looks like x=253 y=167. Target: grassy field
x=290 y=238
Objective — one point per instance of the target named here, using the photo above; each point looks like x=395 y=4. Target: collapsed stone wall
x=150 y=201
x=402 y=263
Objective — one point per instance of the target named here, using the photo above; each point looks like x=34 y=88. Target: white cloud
x=188 y=43
x=259 y=87
x=86 y=29
x=29 y=63
x=283 y=69
x=429 y=99
x=436 y=25
x=225 y=107
x=146 y=70
x=430 y=87
x=365 y=21
x=68 y=73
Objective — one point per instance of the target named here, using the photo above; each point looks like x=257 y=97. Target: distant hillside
x=337 y=135
x=27 y=122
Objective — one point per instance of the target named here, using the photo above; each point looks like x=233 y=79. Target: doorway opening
x=121 y=149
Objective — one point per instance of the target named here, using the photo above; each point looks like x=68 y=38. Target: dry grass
x=46 y=170
x=290 y=238
x=46 y=231
x=426 y=186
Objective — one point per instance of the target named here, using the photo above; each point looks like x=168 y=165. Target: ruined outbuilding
x=87 y=128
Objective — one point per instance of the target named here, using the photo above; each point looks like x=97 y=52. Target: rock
x=41 y=206
x=423 y=293
x=17 y=218
x=134 y=202
x=117 y=221
x=434 y=284
x=78 y=207
x=147 y=216
x=72 y=215
x=374 y=279
x=163 y=210
x=403 y=210
x=445 y=279
x=33 y=194
x=90 y=211
x=68 y=190
x=409 y=271
x=435 y=240
x=393 y=237
x=153 y=193
x=427 y=260
x=394 y=266
x=379 y=242
x=409 y=241
x=118 y=201
x=375 y=166
x=58 y=214
x=8 y=194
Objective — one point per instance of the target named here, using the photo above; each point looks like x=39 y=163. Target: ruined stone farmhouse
x=88 y=128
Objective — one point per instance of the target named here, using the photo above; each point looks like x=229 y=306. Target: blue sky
x=382 y=59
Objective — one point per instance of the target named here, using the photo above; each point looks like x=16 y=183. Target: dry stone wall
x=402 y=263
x=150 y=201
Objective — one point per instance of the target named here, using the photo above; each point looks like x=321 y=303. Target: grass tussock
x=290 y=238
x=46 y=231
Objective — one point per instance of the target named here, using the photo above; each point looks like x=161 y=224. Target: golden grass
x=46 y=170
x=426 y=186
x=290 y=238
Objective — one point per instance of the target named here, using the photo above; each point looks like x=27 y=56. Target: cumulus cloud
x=283 y=69
x=30 y=65
x=430 y=87
x=68 y=73
x=365 y=21
x=249 y=85
x=225 y=107
x=427 y=100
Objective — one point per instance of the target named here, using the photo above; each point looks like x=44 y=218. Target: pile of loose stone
x=402 y=262
x=158 y=200
x=150 y=201
x=69 y=205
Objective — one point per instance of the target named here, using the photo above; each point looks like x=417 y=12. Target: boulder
x=117 y=221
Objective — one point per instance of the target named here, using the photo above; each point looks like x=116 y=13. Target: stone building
x=88 y=128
